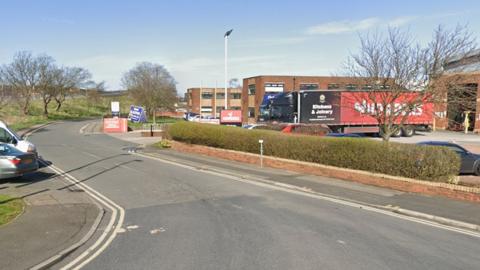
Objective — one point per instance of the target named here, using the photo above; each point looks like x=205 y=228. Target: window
x=367 y=87
x=274 y=87
x=220 y=95
x=5 y=137
x=251 y=89
x=219 y=109
x=351 y=86
x=333 y=86
x=383 y=86
x=235 y=108
x=236 y=95
x=206 y=109
x=207 y=95
x=251 y=112
x=308 y=86
x=456 y=149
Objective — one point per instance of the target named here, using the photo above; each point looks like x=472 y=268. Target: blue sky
x=270 y=37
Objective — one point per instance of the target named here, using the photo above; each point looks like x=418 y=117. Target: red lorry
x=344 y=111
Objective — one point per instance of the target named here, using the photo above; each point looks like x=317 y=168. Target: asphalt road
x=178 y=218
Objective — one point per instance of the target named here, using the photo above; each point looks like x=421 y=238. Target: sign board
x=360 y=108
x=115 y=125
x=137 y=114
x=115 y=105
x=320 y=107
x=231 y=117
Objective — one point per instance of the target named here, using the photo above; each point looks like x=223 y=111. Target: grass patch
x=76 y=108
x=9 y=208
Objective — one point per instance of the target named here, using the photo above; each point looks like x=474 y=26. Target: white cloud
x=399 y=21
x=345 y=26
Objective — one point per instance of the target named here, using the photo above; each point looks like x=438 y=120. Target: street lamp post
x=226 y=74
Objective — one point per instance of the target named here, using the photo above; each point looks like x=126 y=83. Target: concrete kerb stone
x=375 y=179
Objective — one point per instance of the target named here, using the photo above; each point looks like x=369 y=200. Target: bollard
x=151 y=130
x=261 y=152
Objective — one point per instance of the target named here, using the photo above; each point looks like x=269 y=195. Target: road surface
x=184 y=218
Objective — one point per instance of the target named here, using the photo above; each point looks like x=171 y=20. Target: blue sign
x=268 y=96
x=137 y=114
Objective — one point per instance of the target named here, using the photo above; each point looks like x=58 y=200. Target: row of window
x=315 y=86
x=219 y=108
x=208 y=95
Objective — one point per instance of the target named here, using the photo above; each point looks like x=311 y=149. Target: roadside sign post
x=137 y=114
x=261 y=152
x=115 y=105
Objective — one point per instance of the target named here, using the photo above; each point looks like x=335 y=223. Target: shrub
x=407 y=160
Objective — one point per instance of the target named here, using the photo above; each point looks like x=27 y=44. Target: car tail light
x=15 y=161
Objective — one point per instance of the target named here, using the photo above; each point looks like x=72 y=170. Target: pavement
x=194 y=212
x=54 y=219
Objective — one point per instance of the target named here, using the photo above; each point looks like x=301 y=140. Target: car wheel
x=476 y=171
x=408 y=131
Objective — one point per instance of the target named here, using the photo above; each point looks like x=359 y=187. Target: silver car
x=14 y=163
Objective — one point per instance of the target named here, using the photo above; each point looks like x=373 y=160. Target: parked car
x=15 y=163
x=189 y=116
x=253 y=126
x=343 y=135
x=470 y=161
x=8 y=136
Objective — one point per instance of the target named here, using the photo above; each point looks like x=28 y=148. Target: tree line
x=31 y=76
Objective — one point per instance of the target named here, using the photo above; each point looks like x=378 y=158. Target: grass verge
x=10 y=208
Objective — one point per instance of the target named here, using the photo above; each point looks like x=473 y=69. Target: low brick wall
x=398 y=183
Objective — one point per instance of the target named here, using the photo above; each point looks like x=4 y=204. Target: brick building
x=255 y=89
x=209 y=101
x=460 y=73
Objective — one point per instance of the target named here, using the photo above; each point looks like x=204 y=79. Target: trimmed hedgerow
x=407 y=160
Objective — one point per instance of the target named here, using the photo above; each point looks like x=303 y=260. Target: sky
x=270 y=37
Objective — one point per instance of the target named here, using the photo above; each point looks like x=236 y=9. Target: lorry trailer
x=345 y=111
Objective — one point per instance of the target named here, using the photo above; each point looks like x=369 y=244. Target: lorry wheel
x=397 y=133
x=408 y=131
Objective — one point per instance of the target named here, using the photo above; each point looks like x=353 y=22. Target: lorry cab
x=10 y=137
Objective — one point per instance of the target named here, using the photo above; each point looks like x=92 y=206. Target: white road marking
x=82 y=129
x=132 y=227
x=299 y=191
x=82 y=259
x=157 y=231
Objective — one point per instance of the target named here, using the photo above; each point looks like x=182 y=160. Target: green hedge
x=408 y=160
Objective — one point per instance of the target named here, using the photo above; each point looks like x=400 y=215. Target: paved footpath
x=56 y=217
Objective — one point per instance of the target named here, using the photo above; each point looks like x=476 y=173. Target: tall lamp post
x=226 y=54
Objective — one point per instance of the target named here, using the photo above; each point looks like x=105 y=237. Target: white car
x=11 y=138
x=253 y=126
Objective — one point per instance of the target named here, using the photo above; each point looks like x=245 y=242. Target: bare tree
x=46 y=88
x=400 y=74
x=234 y=83
x=5 y=94
x=68 y=79
x=23 y=77
x=152 y=86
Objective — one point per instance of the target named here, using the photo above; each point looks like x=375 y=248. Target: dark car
x=14 y=163
x=470 y=161
x=343 y=135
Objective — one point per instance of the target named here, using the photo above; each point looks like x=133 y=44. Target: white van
x=11 y=138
